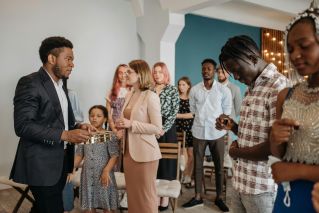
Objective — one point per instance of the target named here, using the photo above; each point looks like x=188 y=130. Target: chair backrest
x=181 y=137
x=171 y=151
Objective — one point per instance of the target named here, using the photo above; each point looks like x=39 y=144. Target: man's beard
x=57 y=72
x=222 y=80
x=207 y=78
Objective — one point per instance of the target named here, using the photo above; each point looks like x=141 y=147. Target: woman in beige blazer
x=142 y=121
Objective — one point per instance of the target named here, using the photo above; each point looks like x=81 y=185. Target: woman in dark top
x=169 y=99
x=184 y=123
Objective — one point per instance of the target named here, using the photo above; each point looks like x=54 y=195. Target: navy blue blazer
x=38 y=121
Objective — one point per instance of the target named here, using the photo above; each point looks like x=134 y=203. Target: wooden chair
x=166 y=188
x=21 y=188
x=181 y=137
x=209 y=171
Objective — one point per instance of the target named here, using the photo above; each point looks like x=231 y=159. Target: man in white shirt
x=208 y=100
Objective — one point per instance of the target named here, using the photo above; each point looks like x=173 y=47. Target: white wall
x=158 y=30
x=103 y=33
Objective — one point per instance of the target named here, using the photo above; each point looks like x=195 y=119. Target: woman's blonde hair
x=144 y=72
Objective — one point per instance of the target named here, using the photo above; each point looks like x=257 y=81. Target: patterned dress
x=116 y=112
x=117 y=104
x=185 y=124
x=96 y=157
x=169 y=107
x=302 y=147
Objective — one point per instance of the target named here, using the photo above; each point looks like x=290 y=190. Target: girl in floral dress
x=98 y=185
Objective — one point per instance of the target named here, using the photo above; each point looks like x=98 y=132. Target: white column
x=158 y=31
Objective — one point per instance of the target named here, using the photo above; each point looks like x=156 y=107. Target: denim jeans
x=252 y=203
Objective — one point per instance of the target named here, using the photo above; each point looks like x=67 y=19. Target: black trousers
x=167 y=167
x=48 y=199
x=217 y=149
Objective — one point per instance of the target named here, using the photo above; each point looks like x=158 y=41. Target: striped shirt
x=257 y=113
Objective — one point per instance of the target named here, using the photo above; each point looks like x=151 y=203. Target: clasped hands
x=224 y=122
x=280 y=133
x=123 y=123
x=80 y=135
x=160 y=134
x=282 y=129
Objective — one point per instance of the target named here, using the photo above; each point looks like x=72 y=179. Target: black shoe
x=123 y=208
x=162 y=208
x=221 y=205
x=193 y=203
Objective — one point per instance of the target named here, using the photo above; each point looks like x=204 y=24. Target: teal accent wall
x=203 y=38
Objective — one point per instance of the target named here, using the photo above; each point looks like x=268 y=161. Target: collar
x=203 y=85
x=268 y=73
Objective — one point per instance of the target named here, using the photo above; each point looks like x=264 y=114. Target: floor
x=9 y=197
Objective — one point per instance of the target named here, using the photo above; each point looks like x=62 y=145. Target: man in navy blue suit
x=44 y=121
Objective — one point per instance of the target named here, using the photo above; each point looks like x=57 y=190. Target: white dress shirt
x=207 y=105
x=63 y=102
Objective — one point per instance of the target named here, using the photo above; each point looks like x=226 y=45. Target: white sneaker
x=123 y=202
x=187 y=179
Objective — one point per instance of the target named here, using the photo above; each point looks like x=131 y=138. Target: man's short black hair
x=52 y=43
x=209 y=60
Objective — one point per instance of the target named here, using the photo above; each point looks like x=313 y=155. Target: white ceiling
x=274 y=14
